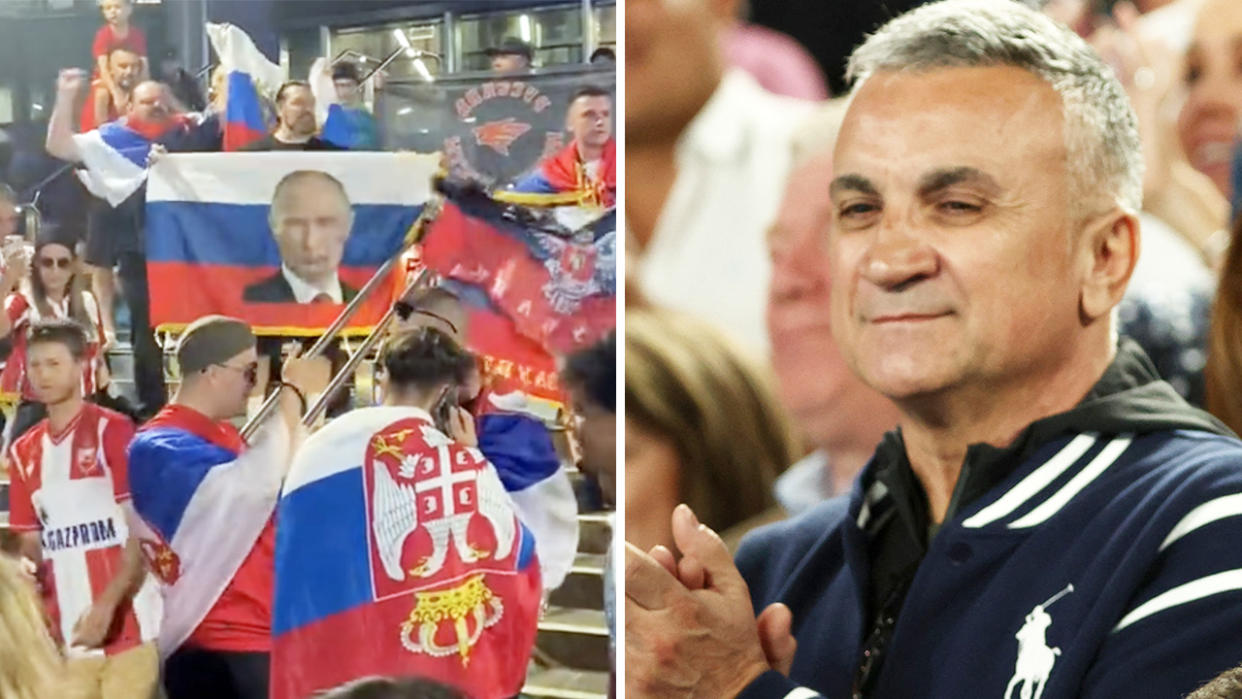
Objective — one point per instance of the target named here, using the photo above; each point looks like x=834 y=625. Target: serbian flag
x=250 y=74
x=204 y=498
x=562 y=180
x=115 y=160
x=216 y=245
x=398 y=553
x=557 y=286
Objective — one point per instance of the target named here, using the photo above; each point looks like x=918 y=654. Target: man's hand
x=689 y=643
x=461 y=427
x=92 y=627
x=310 y=375
x=156 y=154
x=16 y=267
x=70 y=82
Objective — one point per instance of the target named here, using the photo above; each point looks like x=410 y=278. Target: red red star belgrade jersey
x=73 y=489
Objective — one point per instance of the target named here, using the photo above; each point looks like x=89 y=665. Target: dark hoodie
x=886 y=605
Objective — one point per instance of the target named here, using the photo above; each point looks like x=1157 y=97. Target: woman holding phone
x=45 y=284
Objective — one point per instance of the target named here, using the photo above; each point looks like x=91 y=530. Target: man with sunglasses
x=71 y=508
x=207 y=500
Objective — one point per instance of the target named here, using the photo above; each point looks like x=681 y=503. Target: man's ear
x=1109 y=249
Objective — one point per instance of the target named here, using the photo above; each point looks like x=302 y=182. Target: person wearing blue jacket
x=1049 y=519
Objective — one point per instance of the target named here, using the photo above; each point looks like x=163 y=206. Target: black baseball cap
x=512 y=46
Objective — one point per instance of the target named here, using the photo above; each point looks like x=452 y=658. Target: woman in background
x=702 y=427
x=48 y=287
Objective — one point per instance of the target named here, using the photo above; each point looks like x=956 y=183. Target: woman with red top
x=117 y=33
x=51 y=290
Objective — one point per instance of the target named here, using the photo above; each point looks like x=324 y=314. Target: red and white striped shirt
x=73 y=489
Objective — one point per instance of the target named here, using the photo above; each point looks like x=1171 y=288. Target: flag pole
x=429 y=213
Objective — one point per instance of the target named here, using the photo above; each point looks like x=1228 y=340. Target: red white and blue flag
x=398 y=553
x=249 y=75
x=209 y=238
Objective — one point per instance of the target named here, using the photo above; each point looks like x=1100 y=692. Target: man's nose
x=898 y=255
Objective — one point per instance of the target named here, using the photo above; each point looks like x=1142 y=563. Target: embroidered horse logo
x=1035 y=657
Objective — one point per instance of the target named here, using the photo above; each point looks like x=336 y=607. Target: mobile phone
x=443 y=411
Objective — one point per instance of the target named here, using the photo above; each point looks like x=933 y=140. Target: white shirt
x=709 y=255
x=305 y=292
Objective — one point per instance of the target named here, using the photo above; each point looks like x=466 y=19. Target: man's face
x=55 y=375
x=347 y=91
x=150 y=103
x=232 y=381
x=672 y=63
x=311 y=222
x=597 y=433
x=590 y=120
x=126 y=68
x=509 y=63
x=297 y=112
x=950 y=238
x=115 y=11
x=8 y=218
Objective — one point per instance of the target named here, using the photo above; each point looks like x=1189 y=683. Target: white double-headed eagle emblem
x=447 y=510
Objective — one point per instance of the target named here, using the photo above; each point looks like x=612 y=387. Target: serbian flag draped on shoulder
x=249 y=75
x=280 y=240
x=398 y=553
x=192 y=479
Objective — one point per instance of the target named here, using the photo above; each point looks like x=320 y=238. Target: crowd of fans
x=92 y=610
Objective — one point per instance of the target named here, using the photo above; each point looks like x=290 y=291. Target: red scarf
x=155 y=130
x=566 y=173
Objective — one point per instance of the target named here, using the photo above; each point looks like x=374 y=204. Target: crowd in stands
x=144 y=544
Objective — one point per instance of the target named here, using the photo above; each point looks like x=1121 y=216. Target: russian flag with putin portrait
x=281 y=240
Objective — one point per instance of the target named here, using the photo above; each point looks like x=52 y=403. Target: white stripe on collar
x=1038 y=479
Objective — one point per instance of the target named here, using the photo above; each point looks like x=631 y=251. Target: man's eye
x=957 y=207
x=857 y=209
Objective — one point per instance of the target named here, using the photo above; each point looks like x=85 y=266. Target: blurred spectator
x=53 y=289
x=386 y=688
x=702 y=427
x=591 y=379
x=108 y=101
x=117 y=32
x=8 y=211
x=779 y=63
x=70 y=503
x=603 y=57
x=1208 y=123
x=30 y=667
x=1224 y=361
x=713 y=150
x=295 y=122
x=829 y=30
x=512 y=56
x=183 y=85
x=358 y=129
x=839 y=417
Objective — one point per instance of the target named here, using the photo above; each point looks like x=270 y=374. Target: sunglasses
x=50 y=262
x=250 y=371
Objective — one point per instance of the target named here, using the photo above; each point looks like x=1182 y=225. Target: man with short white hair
x=1050 y=519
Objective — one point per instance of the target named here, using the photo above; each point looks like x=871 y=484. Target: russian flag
x=208 y=230
x=557 y=286
x=115 y=160
x=203 y=503
x=250 y=74
x=398 y=553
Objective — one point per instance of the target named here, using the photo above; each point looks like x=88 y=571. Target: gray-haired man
x=1050 y=520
